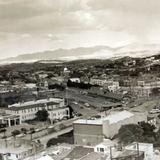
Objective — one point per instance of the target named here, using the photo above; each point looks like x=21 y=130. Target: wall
x=86 y=134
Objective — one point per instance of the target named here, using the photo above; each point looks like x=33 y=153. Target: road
x=45 y=139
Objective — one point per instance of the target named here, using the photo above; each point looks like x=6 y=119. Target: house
x=93 y=130
x=58 y=113
x=20 y=149
x=28 y=110
x=104 y=147
x=76 y=80
x=115 y=151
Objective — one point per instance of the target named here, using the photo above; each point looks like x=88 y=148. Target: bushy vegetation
x=42 y=115
x=80 y=85
x=56 y=86
x=143 y=132
x=65 y=138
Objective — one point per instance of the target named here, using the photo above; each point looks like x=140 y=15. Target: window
x=101 y=149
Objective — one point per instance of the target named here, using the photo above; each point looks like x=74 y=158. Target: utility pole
x=66 y=96
x=138 y=150
x=110 y=152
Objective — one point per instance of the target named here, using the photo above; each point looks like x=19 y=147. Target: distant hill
x=97 y=52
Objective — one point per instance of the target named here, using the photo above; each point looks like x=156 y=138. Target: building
x=152 y=120
x=112 y=86
x=10 y=120
x=100 y=82
x=115 y=151
x=28 y=110
x=19 y=149
x=104 y=147
x=58 y=113
x=92 y=131
x=141 y=91
x=127 y=155
x=76 y=80
x=147 y=148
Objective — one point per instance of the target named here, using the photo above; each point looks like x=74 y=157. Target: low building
x=76 y=80
x=28 y=110
x=141 y=91
x=10 y=120
x=147 y=148
x=105 y=146
x=115 y=151
x=20 y=149
x=58 y=113
x=111 y=85
x=92 y=131
x=128 y=155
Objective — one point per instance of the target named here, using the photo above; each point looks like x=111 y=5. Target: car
x=75 y=102
x=154 y=111
x=86 y=104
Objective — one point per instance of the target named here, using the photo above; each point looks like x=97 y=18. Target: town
x=83 y=110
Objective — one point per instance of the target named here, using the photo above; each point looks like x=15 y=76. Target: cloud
x=80 y=20
x=136 y=6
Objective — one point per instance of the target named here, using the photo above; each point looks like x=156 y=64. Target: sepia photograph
x=79 y=80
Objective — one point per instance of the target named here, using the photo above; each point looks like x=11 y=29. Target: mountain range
x=96 y=52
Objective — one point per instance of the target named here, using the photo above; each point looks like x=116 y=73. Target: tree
x=148 y=129
x=24 y=130
x=42 y=115
x=155 y=91
x=3 y=130
x=14 y=134
x=32 y=131
x=130 y=133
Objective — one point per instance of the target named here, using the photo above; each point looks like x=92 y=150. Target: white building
x=105 y=146
x=112 y=86
x=100 y=82
x=58 y=113
x=76 y=80
x=28 y=110
x=147 y=148
x=10 y=120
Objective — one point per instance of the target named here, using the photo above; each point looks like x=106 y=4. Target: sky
x=28 y=26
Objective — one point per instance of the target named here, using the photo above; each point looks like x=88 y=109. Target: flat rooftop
x=113 y=118
x=37 y=103
x=128 y=153
x=3 y=116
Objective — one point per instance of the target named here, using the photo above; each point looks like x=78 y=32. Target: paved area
x=45 y=138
